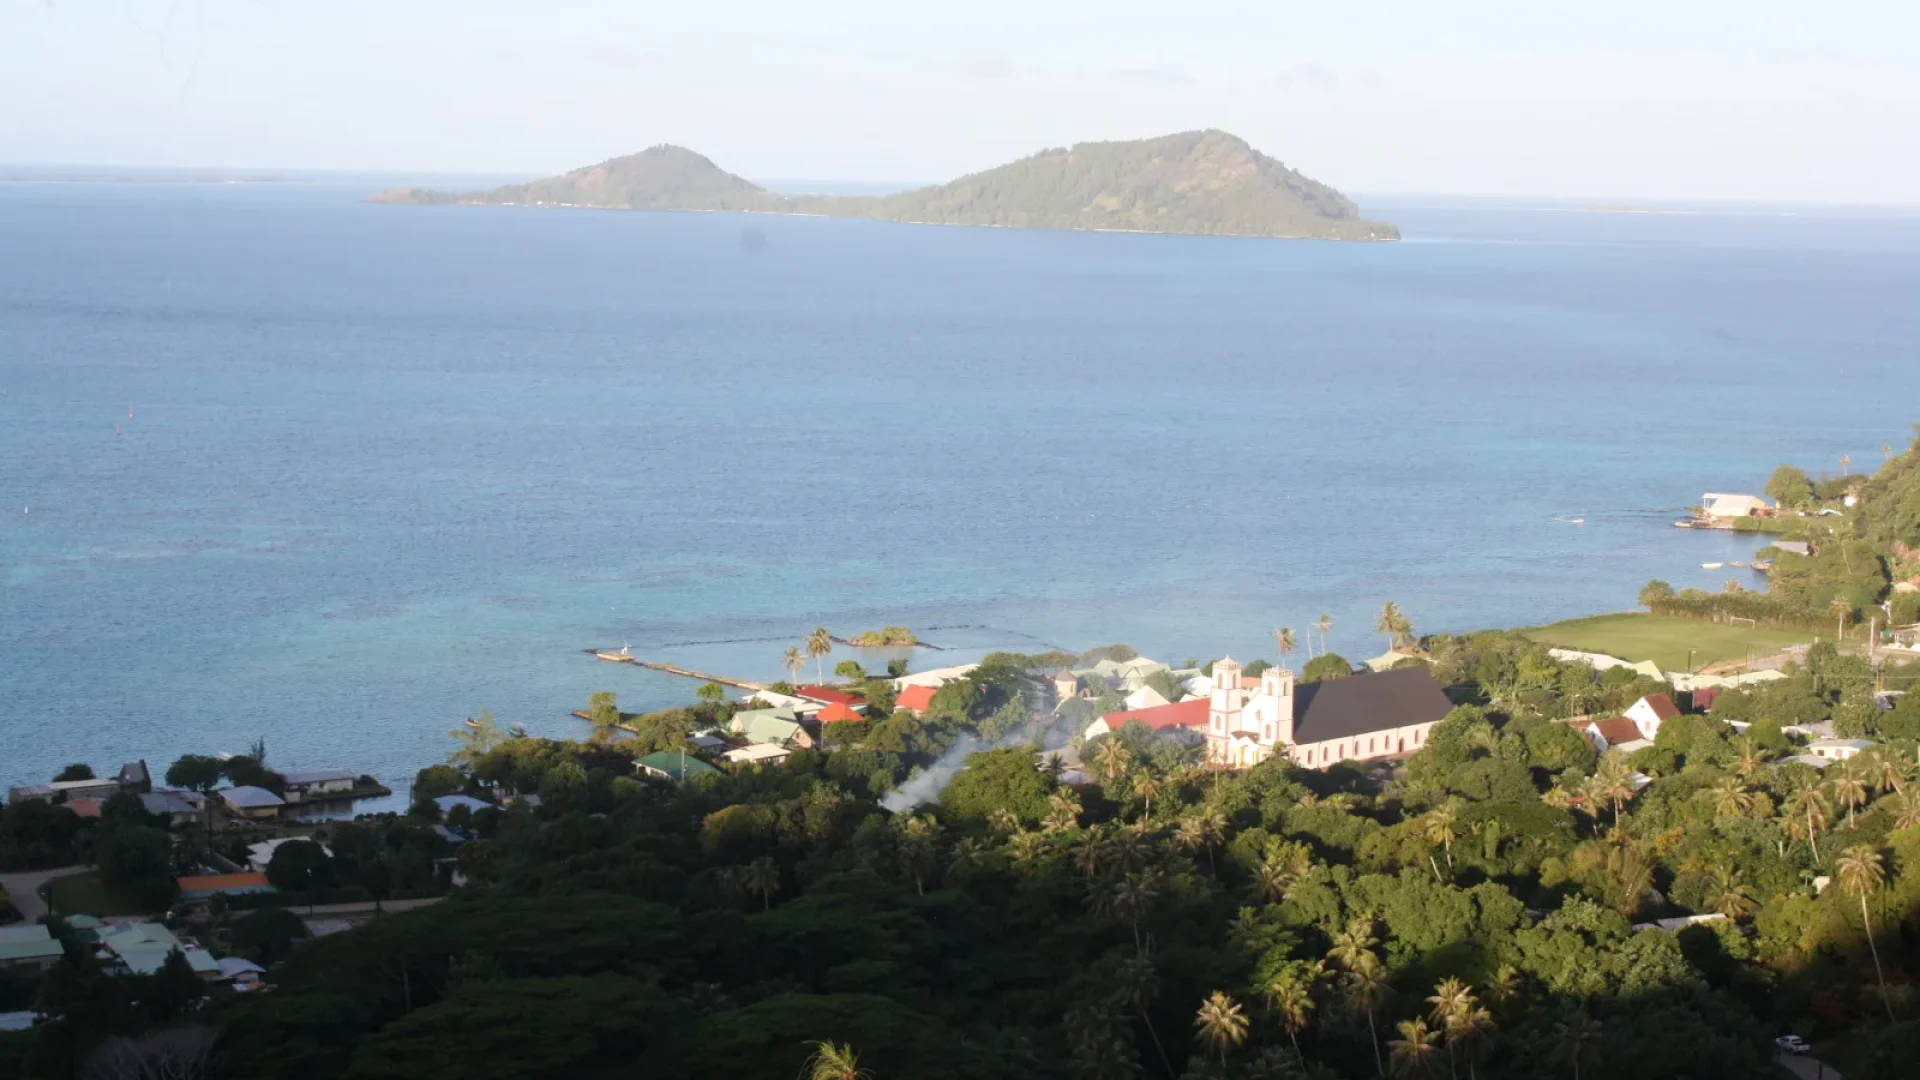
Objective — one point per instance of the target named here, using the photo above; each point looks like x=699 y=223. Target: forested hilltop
x=1205 y=182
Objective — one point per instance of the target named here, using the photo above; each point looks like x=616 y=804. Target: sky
x=1758 y=100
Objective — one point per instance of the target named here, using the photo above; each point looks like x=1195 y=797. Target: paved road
x=1806 y=1067
x=391 y=907
x=24 y=889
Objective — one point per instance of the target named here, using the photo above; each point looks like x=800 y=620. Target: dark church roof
x=1363 y=704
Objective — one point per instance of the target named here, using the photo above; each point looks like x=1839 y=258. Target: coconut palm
x=1132 y=899
x=1906 y=808
x=819 y=644
x=1003 y=820
x=1221 y=1023
x=762 y=876
x=1283 y=641
x=793 y=660
x=963 y=859
x=1807 y=815
x=1137 y=987
x=1292 y=997
x=1112 y=756
x=1840 y=610
x=1579 y=1040
x=1146 y=788
x=1063 y=812
x=1101 y=1046
x=1504 y=985
x=1729 y=798
x=1392 y=624
x=1413 y=1054
x=1471 y=1030
x=1441 y=826
x=917 y=845
x=1366 y=984
x=1849 y=788
x=1732 y=896
x=834 y=1061
x=1450 y=998
x=1323 y=624
x=1882 y=772
x=1281 y=867
x=1751 y=757
x=1860 y=872
x=1201 y=830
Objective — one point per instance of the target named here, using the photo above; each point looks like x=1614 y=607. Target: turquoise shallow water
x=387 y=466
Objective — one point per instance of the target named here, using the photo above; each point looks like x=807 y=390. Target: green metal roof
x=671 y=763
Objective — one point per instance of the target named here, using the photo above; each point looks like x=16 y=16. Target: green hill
x=1201 y=182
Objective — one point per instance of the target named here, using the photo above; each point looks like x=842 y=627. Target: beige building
x=1387 y=714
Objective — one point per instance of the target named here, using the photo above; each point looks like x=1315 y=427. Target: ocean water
x=275 y=462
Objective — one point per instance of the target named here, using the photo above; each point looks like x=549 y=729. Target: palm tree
x=1882 y=772
x=1807 y=815
x=1470 y=1029
x=1292 y=998
x=917 y=848
x=1730 y=798
x=963 y=859
x=1391 y=624
x=1132 y=899
x=1221 y=1023
x=1063 y=812
x=1504 y=985
x=1366 y=984
x=1146 y=789
x=1003 y=820
x=1450 y=998
x=819 y=644
x=1846 y=464
x=1579 y=1039
x=1201 y=830
x=1137 y=986
x=1413 y=1054
x=1323 y=624
x=1283 y=640
x=1861 y=872
x=793 y=661
x=1906 y=809
x=1849 y=789
x=1112 y=756
x=1732 y=896
x=834 y=1061
x=1441 y=826
x=762 y=876
x=1281 y=867
x=1751 y=757
x=1840 y=609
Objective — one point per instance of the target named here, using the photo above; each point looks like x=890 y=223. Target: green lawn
x=86 y=894
x=1664 y=639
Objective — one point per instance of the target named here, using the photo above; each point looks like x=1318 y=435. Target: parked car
x=1790 y=1044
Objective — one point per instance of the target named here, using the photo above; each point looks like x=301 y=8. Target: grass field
x=1665 y=639
x=86 y=894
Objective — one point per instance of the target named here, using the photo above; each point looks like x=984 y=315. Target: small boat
x=1738 y=565
x=621 y=657
x=1762 y=565
x=472 y=723
x=1711 y=565
x=519 y=731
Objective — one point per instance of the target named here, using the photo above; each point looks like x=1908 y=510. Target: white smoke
x=926 y=785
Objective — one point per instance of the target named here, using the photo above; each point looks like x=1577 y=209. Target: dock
x=672 y=669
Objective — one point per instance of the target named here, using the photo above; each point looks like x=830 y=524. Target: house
x=827 y=695
x=18 y=1021
x=1794 y=547
x=1613 y=733
x=30 y=946
x=801 y=708
x=306 y=785
x=177 y=807
x=134 y=777
x=1812 y=760
x=447 y=803
x=1319 y=724
x=142 y=948
x=1839 y=749
x=1146 y=698
x=1719 y=505
x=669 y=765
x=68 y=790
x=200 y=888
x=1065 y=684
x=705 y=740
x=1603 y=662
x=252 y=803
x=757 y=754
x=917 y=697
x=1184 y=721
x=1650 y=712
x=779 y=726
x=1390 y=659
x=1127 y=675
x=85 y=806
x=29 y=793
x=837 y=713
x=243 y=973
x=260 y=855
x=933 y=679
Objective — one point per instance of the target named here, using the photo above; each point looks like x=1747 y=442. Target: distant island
x=1197 y=182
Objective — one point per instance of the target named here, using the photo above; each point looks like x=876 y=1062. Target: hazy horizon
x=1725 y=103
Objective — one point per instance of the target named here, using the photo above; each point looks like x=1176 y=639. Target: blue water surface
x=277 y=462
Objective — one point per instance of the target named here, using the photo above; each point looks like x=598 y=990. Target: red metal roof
x=1663 y=706
x=917 y=698
x=1180 y=714
x=1615 y=729
x=827 y=695
x=837 y=712
x=210 y=883
x=84 y=806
